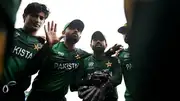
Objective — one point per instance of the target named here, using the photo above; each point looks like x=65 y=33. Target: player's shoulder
x=18 y=32
x=81 y=52
x=89 y=58
x=124 y=54
x=41 y=39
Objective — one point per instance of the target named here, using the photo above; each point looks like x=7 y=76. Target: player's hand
x=104 y=89
x=118 y=51
x=115 y=48
x=88 y=93
x=98 y=78
x=42 y=39
x=83 y=91
x=50 y=32
x=92 y=95
x=96 y=95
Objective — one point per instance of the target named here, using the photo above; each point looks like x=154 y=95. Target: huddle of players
x=60 y=64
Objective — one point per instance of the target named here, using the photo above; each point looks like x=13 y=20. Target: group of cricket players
x=60 y=65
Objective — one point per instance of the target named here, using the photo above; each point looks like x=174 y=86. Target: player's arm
x=111 y=51
x=77 y=78
x=86 y=91
x=116 y=77
x=37 y=61
x=120 y=57
x=113 y=81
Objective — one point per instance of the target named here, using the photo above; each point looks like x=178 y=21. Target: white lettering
x=22 y=52
x=16 y=49
x=66 y=66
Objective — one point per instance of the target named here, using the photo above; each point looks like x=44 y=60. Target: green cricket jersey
x=127 y=70
x=108 y=64
x=25 y=46
x=56 y=73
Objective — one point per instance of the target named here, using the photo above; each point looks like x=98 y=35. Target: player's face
x=72 y=35
x=125 y=38
x=34 y=21
x=98 y=44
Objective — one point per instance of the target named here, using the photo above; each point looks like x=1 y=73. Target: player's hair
x=36 y=7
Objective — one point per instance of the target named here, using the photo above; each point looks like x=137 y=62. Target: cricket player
x=60 y=63
x=153 y=37
x=61 y=60
x=102 y=74
x=126 y=64
x=25 y=46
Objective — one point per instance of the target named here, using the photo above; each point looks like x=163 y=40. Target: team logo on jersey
x=126 y=55
x=91 y=65
x=37 y=46
x=77 y=56
x=61 y=53
x=108 y=64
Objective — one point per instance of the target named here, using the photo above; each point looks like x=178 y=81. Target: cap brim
x=98 y=36
x=123 y=30
x=77 y=24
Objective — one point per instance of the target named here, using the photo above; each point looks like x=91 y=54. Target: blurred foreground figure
x=153 y=47
x=8 y=10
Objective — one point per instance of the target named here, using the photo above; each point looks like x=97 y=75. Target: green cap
x=123 y=29
x=97 y=35
x=75 y=24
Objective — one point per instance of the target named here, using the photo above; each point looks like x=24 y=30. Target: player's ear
x=24 y=17
x=105 y=44
x=91 y=44
x=63 y=32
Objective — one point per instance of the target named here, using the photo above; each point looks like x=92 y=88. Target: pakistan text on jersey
x=66 y=66
x=22 y=52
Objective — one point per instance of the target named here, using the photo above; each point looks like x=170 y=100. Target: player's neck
x=70 y=46
x=29 y=31
x=99 y=55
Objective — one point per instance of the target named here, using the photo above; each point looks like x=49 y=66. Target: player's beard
x=126 y=39
x=98 y=49
x=71 y=39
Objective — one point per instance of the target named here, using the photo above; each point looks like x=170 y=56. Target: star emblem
x=77 y=56
x=36 y=47
x=108 y=64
